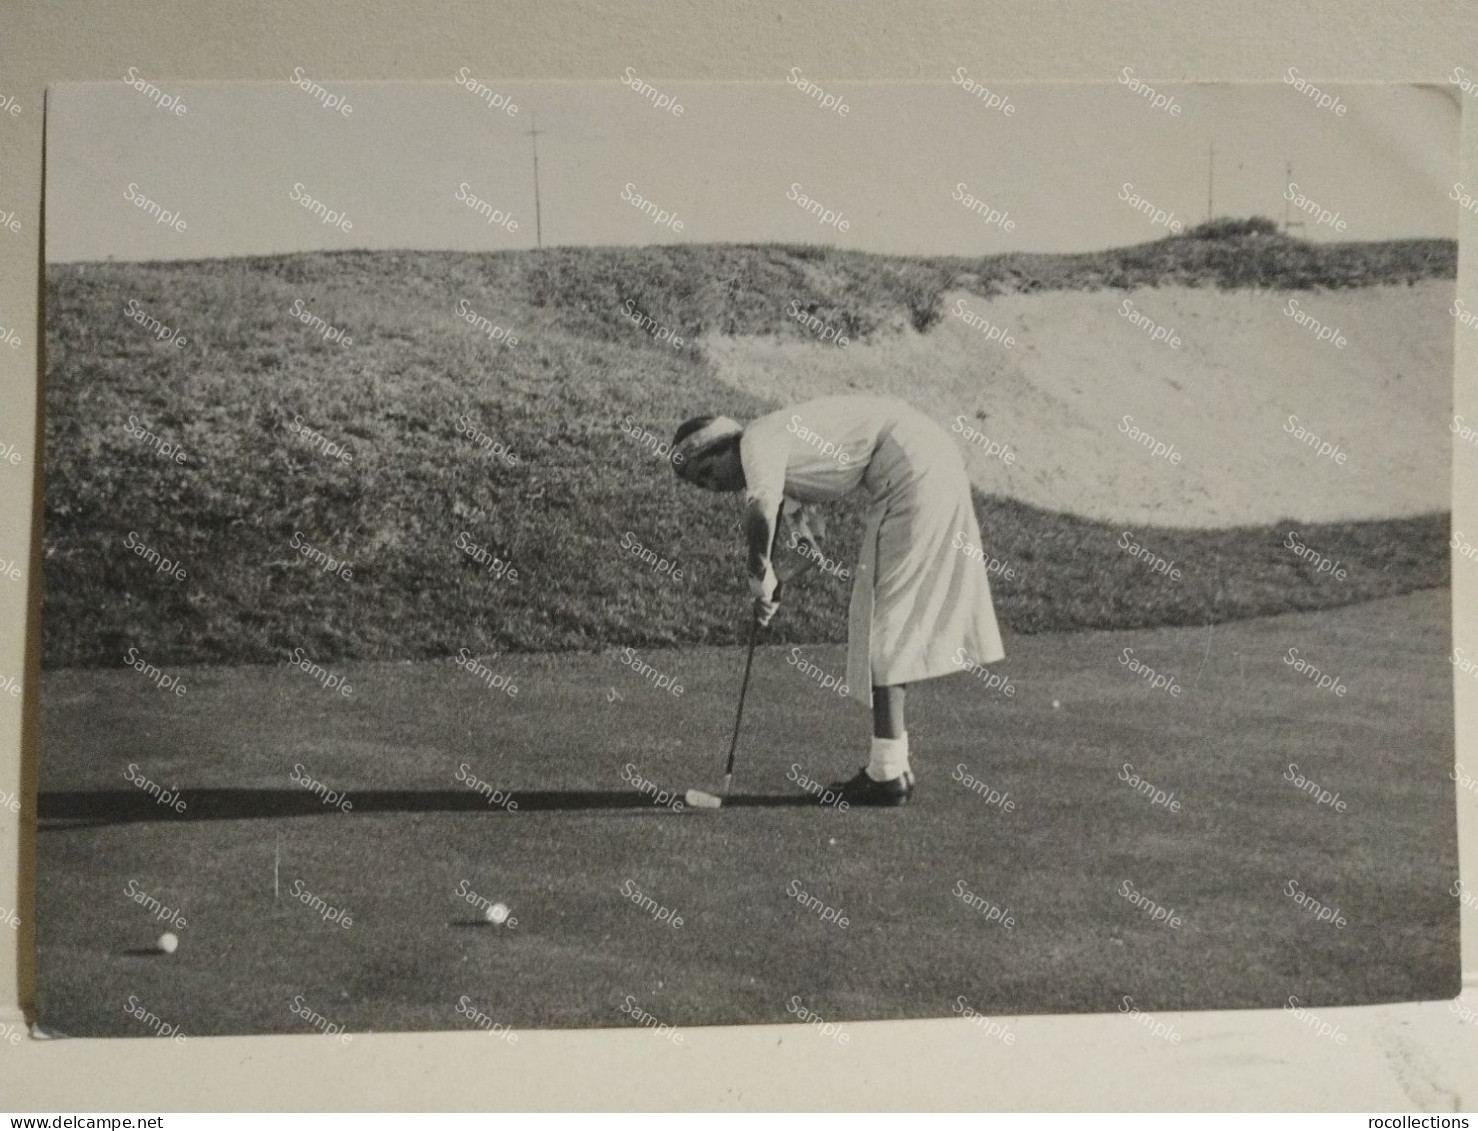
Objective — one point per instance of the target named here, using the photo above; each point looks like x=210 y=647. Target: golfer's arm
x=759 y=532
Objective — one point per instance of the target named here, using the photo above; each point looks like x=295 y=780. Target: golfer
x=920 y=595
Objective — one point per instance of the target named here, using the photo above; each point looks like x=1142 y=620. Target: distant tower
x=534 y=133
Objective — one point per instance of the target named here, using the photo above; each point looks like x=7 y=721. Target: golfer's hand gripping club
x=766 y=591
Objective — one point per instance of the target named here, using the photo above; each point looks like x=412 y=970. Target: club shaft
x=739 y=716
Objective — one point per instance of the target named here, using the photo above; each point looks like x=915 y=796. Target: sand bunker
x=1079 y=365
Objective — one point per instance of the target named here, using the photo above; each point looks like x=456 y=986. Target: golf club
x=795 y=565
x=697 y=798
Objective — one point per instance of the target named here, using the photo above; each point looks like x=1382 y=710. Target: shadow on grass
x=111 y=807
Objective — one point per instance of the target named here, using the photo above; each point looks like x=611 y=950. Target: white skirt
x=918 y=601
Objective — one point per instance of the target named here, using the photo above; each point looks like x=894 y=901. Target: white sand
x=1058 y=397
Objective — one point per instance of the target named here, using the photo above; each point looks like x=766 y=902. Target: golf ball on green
x=497 y=913
x=168 y=942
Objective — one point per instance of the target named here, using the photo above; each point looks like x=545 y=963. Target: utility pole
x=534 y=133
x=1210 y=176
x=1287 y=223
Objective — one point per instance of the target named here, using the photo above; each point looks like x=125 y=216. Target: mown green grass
x=558 y=400
x=396 y=859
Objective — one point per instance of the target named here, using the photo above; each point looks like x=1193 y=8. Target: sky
x=1055 y=166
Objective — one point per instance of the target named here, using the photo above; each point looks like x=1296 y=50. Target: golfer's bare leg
x=887 y=711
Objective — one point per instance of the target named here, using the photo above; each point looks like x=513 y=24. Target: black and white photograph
x=638 y=554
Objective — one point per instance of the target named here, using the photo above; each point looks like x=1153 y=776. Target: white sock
x=889 y=757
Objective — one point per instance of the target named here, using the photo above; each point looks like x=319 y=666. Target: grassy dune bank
x=417 y=386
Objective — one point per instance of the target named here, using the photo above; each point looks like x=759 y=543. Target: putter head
x=697 y=799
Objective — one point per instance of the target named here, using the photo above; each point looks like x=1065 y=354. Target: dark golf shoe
x=862 y=790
